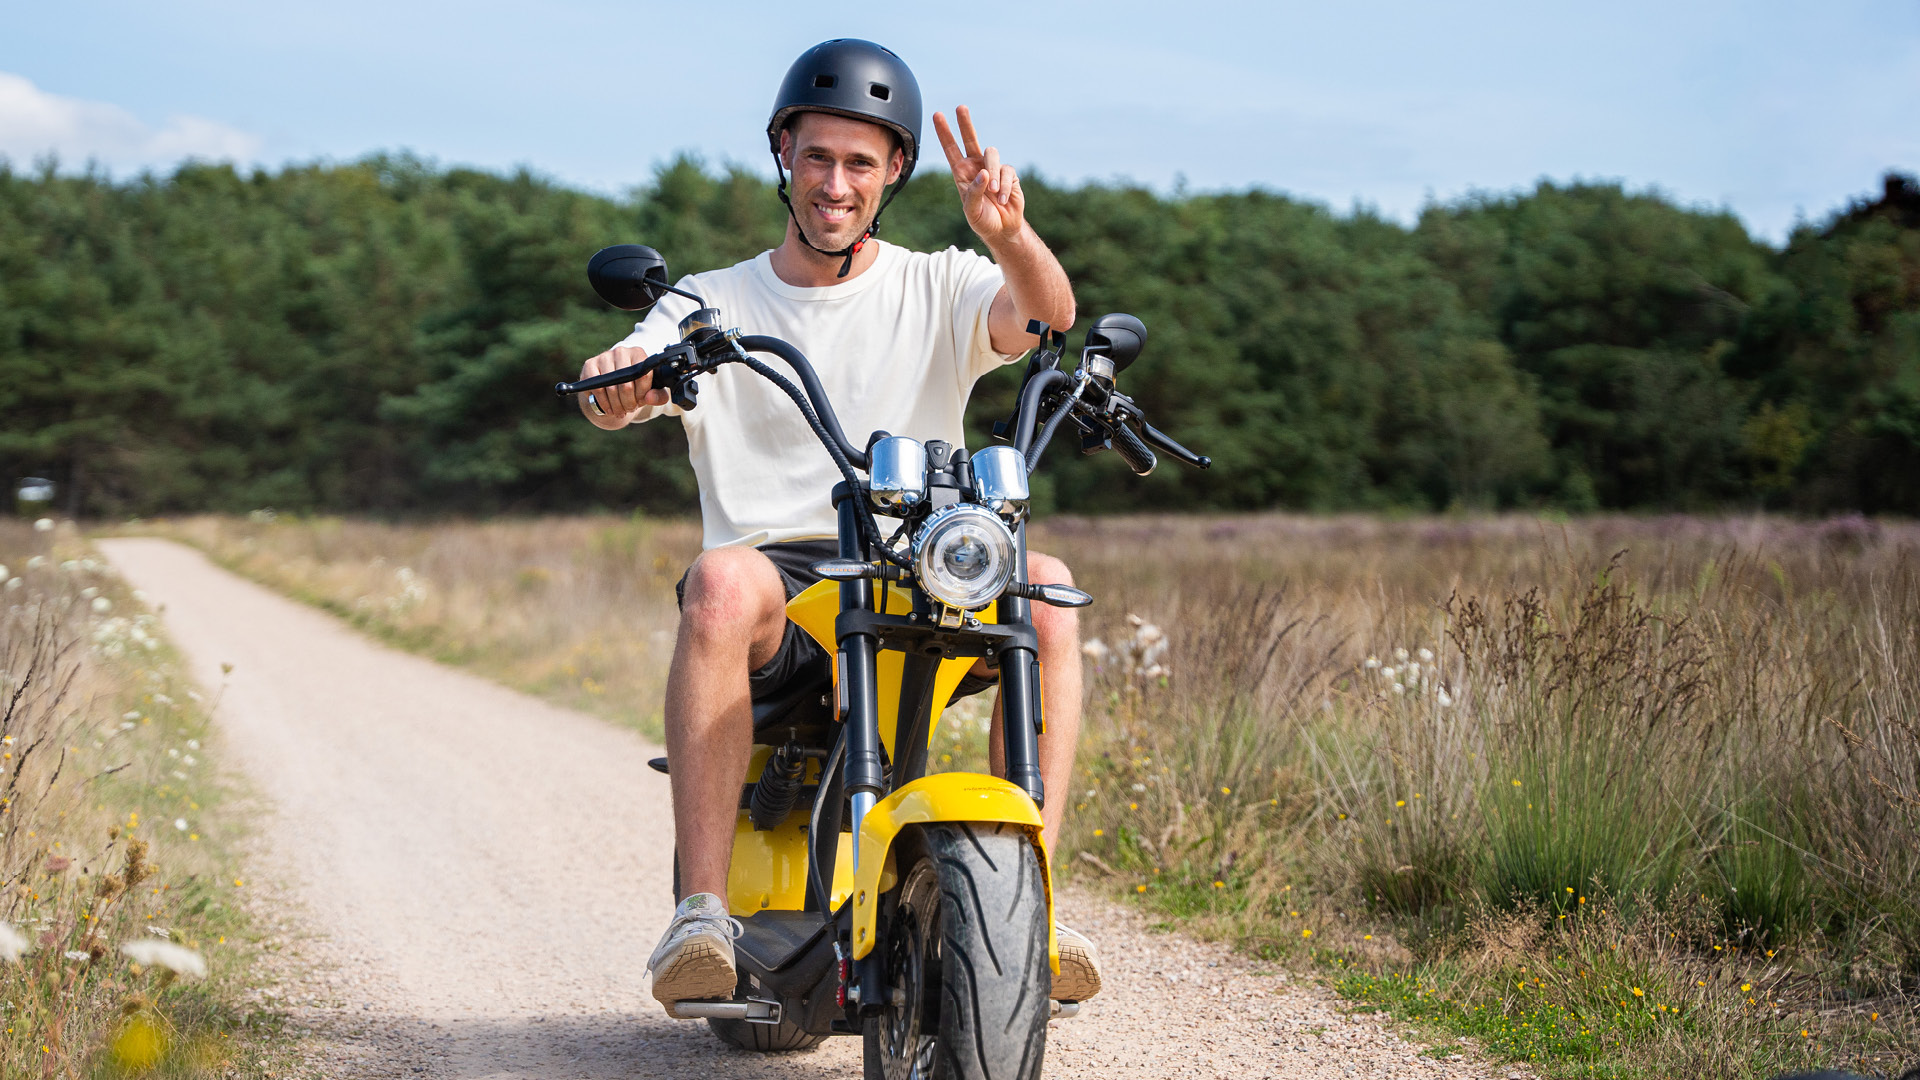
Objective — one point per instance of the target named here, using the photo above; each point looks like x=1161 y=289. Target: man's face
x=840 y=166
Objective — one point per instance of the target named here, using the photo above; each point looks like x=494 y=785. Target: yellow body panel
x=819 y=604
x=769 y=869
x=941 y=797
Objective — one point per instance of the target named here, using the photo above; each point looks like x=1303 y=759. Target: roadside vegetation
x=124 y=947
x=1614 y=796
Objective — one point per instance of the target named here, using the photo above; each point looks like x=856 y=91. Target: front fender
x=941 y=797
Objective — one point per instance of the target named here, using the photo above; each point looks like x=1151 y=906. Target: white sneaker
x=694 y=960
x=1079 y=977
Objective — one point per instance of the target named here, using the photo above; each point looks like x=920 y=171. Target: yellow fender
x=940 y=797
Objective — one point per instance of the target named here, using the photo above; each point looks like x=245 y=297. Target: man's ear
x=896 y=163
x=786 y=148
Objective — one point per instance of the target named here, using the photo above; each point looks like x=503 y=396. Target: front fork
x=864 y=771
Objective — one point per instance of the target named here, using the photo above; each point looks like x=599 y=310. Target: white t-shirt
x=897 y=348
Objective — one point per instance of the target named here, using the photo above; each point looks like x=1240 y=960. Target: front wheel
x=966 y=959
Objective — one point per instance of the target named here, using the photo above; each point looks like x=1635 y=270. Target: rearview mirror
x=631 y=277
x=1119 y=337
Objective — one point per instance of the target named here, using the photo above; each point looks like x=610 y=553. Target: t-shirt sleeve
x=974 y=282
x=658 y=330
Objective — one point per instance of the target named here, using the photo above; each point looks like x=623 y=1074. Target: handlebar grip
x=610 y=378
x=1166 y=442
x=1132 y=450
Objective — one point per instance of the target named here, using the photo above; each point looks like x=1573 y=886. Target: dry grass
x=117 y=912
x=1679 y=754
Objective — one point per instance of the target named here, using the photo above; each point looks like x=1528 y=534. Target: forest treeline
x=380 y=337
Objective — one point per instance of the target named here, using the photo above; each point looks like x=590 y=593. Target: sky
x=1779 y=112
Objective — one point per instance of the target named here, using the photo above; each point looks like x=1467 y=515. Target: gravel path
x=475 y=878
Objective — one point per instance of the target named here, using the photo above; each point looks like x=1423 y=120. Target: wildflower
x=1306 y=933
x=1369 y=937
x=1399 y=689
x=1371 y=663
x=36 y=562
x=1226 y=791
x=1443 y=699
x=1139 y=888
x=1387 y=673
x=1095 y=650
x=43 y=525
x=13 y=944
x=1637 y=992
x=1400 y=655
x=1426 y=656
x=1400 y=802
x=1516 y=783
x=1219 y=884
x=180 y=823
x=1569 y=890
x=1138 y=788
x=77 y=954
x=175 y=958
x=1099 y=832
x=1744 y=987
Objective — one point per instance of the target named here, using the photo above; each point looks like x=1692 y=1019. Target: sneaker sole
x=1079 y=977
x=699 y=971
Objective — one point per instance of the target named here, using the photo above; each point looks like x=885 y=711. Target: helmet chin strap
x=850 y=250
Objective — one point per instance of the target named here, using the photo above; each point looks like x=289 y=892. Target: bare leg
x=731 y=622
x=1059 y=633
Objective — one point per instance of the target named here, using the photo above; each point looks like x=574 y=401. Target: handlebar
x=1132 y=450
x=725 y=350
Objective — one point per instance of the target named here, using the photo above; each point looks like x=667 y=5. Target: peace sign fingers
x=963 y=170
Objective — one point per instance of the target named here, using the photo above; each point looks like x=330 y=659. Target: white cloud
x=34 y=122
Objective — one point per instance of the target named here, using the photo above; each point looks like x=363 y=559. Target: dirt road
x=479 y=877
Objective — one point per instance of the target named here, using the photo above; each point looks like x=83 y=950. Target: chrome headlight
x=964 y=556
x=897 y=473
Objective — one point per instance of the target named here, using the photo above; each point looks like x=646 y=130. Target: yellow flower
x=1569 y=890
x=1637 y=992
x=1744 y=987
x=1099 y=832
x=1139 y=888
x=1306 y=933
x=1219 y=884
x=1805 y=1034
x=1400 y=802
x=1226 y=791
x=1516 y=783
x=1133 y=806
x=1369 y=937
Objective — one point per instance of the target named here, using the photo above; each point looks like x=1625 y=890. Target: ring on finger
x=594 y=404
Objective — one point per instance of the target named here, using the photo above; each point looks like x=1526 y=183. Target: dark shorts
x=800 y=660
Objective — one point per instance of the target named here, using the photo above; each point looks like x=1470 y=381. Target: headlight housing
x=964 y=556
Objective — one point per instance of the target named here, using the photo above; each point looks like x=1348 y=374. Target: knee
x=731 y=590
x=1054 y=625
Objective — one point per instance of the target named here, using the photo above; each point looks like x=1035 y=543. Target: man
x=898 y=338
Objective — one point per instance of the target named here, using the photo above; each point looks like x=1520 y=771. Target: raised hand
x=989 y=191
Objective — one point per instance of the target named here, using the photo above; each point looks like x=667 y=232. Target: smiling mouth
x=834 y=214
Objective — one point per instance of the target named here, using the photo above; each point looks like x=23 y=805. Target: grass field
x=124 y=946
x=1618 y=796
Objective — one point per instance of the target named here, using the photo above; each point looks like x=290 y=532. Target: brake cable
x=864 y=514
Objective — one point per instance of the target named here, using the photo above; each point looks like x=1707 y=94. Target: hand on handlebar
x=621 y=402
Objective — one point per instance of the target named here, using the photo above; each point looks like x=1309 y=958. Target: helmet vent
x=823 y=82
x=880 y=90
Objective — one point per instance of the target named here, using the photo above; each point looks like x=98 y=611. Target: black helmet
x=850 y=77
x=858 y=79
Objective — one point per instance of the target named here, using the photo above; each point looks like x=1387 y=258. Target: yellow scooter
x=914 y=910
